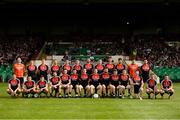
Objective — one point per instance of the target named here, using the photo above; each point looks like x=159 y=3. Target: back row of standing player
x=108 y=79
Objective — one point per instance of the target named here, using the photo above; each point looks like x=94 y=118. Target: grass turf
x=87 y=108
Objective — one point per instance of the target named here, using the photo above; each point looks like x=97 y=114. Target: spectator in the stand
x=66 y=56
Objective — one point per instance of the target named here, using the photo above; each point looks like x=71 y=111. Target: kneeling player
x=65 y=83
x=29 y=87
x=74 y=83
x=83 y=81
x=42 y=87
x=166 y=87
x=14 y=86
x=138 y=85
x=95 y=86
x=152 y=87
x=125 y=83
x=55 y=85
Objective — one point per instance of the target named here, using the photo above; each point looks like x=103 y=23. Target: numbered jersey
x=42 y=84
x=55 y=80
x=14 y=83
x=65 y=79
x=29 y=84
x=166 y=84
x=151 y=83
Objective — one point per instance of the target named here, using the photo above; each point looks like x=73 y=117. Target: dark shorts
x=84 y=83
x=125 y=85
x=105 y=82
x=74 y=85
x=21 y=80
x=136 y=89
x=14 y=88
x=56 y=89
x=145 y=78
x=95 y=84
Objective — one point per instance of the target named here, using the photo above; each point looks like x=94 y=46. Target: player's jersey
x=151 y=83
x=137 y=79
x=67 y=67
x=74 y=79
x=110 y=67
x=32 y=70
x=55 y=68
x=43 y=69
x=124 y=79
x=14 y=83
x=55 y=80
x=19 y=70
x=115 y=80
x=88 y=67
x=84 y=78
x=42 y=84
x=145 y=68
x=65 y=79
x=95 y=77
x=105 y=78
x=78 y=68
x=166 y=83
x=29 y=84
x=132 y=69
x=120 y=67
x=100 y=68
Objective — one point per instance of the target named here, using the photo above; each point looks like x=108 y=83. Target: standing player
x=84 y=83
x=105 y=79
x=55 y=68
x=138 y=85
x=152 y=87
x=74 y=83
x=19 y=70
x=110 y=66
x=42 y=87
x=32 y=70
x=95 y=86
x=43 y=70
x=114 y=83
x=88 y=66
x=55 y=85
x=65 y=82
x=132 y=68
x=125 y=83
x=120 y=66
x=14 y=88
x=67 y=67
x=77 y=67
x=145 y=68
x=166 y=87
x=100 y=67
x=29 y=87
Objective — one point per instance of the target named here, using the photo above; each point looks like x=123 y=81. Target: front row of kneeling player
x=104 y=85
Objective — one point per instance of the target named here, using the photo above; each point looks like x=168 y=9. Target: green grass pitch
x=88 y=108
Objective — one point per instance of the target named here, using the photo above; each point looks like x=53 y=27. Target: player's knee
x=103 y=87
x=70 y=86
x=122 y=87
x=92 y=87
x=141 y=89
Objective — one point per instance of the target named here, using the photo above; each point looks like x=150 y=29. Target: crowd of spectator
x=13 y=47
x=154 y=49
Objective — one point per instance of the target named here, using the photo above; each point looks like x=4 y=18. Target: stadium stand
x=163 y=58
